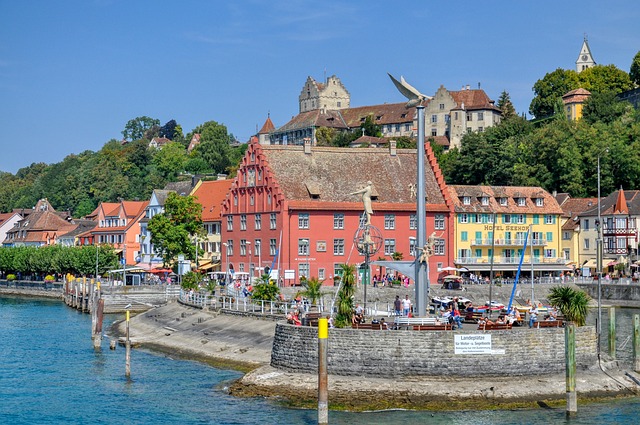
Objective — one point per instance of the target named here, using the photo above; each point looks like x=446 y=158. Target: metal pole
x=323 y=387
x=570 y=361
x=493 y=254
x=599 y=263
x=612 y=332
x=531 y=233
x=422 y=287
x=127 y=353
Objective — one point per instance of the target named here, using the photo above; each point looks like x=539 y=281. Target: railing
x=508 y=242
x=510 y=260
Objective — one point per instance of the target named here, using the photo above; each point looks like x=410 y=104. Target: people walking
x=397 y=306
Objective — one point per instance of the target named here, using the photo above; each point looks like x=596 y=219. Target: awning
x=612 y=263
x=592 y=263
x=128 y=270
x=208 y=266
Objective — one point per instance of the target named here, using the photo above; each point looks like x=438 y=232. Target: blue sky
x=73 y=72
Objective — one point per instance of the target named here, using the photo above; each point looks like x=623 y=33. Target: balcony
x=510 y=260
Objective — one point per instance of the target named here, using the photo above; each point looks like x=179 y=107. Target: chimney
x=307 y=146
x=468 y=87
x=392 y=148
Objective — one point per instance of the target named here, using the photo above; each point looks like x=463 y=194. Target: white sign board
x=289 y=274
x=472 y=344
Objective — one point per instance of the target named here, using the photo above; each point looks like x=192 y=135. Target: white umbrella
x=448 y=269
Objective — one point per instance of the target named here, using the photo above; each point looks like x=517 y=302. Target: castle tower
x=585 y=59
x=331 y=95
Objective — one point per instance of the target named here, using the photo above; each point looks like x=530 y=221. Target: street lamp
x=226 y=269
x=305 y=242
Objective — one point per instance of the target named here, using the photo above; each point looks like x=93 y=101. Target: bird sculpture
x=410 y=92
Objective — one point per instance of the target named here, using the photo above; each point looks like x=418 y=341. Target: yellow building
x=492 y=224
x=577 y=249
x=574 y=102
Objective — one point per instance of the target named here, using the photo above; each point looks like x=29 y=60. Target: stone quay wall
x=611 y=291
x=397 y=353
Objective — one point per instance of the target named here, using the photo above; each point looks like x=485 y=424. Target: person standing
x=406 y=305
x=397 y=306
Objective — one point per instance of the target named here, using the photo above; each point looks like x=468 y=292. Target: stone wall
x=612 y=291
x=387 y=354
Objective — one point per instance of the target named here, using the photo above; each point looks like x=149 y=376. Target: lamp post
x=250 y=260
x=305 y=242
x=226 y=267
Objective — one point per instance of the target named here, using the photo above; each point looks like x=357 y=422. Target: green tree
x=506 y=106
x=214 y=148
x=370 y=127
x=170 y=160
x=325 y=135
x=603 y=78
x=604 y=107
x=634 y=71
x=573 y=303
x=172 y=231
x=550 y=88
x=135 y=128
x=344 y=299
x=264 y=290
x=312 y=289
x=169 y=129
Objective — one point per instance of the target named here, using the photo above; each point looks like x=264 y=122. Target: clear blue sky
x=73 y=72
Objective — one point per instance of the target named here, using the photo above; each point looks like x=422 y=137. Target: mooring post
x=612 y=332
x=97 y=336
x=127 y=351
x=636 y=342
x=570 y=357
x=323 y=390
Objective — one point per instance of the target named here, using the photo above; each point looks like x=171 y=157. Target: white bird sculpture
x=408 y=91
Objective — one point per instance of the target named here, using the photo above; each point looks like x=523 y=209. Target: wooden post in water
x=127 y=352
x=570 y=358
x=636 y=342
x=97 y=333
x=612 y=332
x=323 y=390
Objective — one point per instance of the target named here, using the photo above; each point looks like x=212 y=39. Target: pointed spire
x=621 y=204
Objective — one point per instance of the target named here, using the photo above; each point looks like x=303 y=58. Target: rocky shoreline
x=245 y=343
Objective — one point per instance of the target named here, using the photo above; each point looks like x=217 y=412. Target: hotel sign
x=507 y=228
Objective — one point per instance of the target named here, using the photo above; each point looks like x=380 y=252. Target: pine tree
x=504 y=104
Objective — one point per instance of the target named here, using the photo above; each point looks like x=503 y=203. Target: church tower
x=585 y=59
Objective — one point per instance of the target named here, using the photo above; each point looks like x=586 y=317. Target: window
x=398 y=128
x=338 y=221
x=407 y=127
x=434 y=118
x=303 y=246
x=469 y=116
x=338 y=247
x=441 y=106
x=455 y=115
x=230 y=223
x=438 y=222
x=480 y=129
x=438 y=247
x=258 y=248
x=464 y=218
x=566 y=235
x=243 y=247
x=549 y=253
x=303 y=269
x=229 y=247
x=258 y=221
x=466 y=200
x=389 y=221
x=412 y=247
x=567 y=254
x=251 y=200
x=585 y=224
x=536 y=219
x=522 y=202
x=434 y=132
x=506 y=219
x=522 y=219
x=243 y=222
x=389 y=246
x=272 y=221
x=321 y=274
x=484 y=200
x=303 y=221
x=549 y=236
x=269 y=199
x=480 y=116
x=539 y=202
x=464 y=236
x=586 y=243
x=235 y=200
x=549 y=219
x=273 y=247
x=413 y=222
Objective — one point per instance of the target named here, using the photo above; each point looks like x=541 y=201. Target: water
x=50 y=374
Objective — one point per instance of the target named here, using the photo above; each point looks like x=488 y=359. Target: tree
x=572 y=303
x=264 y=290
x=370 y=127
x=603 y=107
x=214 y=148
x=172 y=231
x=634 y=72
x=603 y=78
x=344 y=299
x=312 y=289
x=170 y=160
x=135 y=128
x=325 y=135
x=550 y=88
x=505 y=105
x=169 y=129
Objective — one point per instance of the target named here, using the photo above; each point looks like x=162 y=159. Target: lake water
x=50 y=374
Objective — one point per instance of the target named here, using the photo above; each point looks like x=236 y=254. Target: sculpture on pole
x=366 y=201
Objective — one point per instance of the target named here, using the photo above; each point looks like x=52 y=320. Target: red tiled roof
x=549 y=206
x=210 y=195
x=267 y=127
x=388 y=113
x=472 y=99
x=621 y=204
x=576 y=96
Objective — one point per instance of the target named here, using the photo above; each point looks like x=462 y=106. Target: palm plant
x=345 y=295
x=312 y=290
x=571 y=302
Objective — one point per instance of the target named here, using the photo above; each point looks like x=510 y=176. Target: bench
x=548 y=324
x=312 y=318
x=493 y=326
x=440 y=327
x=406 y=322
x=472 y=316
x=369 y=326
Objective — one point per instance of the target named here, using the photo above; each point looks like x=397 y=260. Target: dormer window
x=484 y=200
x=503 y=202
x=521 y=202
x=539 y=202
x=466 y=200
